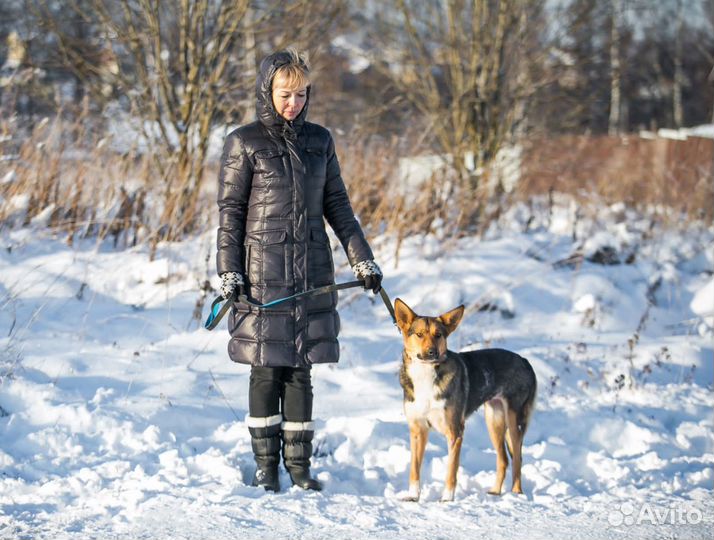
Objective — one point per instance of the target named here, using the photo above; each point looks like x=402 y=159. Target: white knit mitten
x=229 y=282
x=369 y=272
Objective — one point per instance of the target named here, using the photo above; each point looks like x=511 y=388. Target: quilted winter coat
x=277 y=182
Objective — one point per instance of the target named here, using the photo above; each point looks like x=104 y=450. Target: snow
x=121 y=417
x=414 y=171
x=705 y=131
x=703 y=303
x=130 y=134
x=349 y=43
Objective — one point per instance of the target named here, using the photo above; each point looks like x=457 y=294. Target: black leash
x=388 y=304
x=218 y=311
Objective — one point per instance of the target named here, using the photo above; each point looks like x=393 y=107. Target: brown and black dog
x=442 y=388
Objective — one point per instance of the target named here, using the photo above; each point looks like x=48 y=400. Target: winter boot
x=297 y=450
x=265 y=439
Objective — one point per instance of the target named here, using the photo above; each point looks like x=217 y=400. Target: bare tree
x=170 y=61
x=615 y=70
x=464 y=66
x=181 y=65
x=678 y=79
x=707 y=51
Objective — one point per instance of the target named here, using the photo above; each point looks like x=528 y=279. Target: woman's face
x=288 y=101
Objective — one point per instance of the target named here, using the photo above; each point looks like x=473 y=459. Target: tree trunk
x=613 y=127
x=678 y=71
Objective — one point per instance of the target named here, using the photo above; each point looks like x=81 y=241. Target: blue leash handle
x=220 y=306
x=218 y=311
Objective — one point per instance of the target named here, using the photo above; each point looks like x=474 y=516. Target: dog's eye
x=420 y=334
x=437 y=334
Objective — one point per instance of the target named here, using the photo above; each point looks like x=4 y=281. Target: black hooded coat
x=277 y=182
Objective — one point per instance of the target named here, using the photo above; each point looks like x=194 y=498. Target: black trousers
x=280 y=390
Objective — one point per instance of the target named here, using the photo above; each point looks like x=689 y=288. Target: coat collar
x=265 y=109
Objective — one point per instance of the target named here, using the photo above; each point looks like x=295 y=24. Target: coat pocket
x=317 y=161
x=267 y=260
x=269 y=163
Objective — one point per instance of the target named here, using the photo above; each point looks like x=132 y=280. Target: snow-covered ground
x=122 y=418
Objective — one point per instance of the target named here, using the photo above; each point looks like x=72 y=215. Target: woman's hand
x=230 y=281
x=369 y=272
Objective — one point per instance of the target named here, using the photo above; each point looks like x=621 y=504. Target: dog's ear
x=405 y=316
x=451 y=319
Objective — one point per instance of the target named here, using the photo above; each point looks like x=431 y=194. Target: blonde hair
x=294 y=74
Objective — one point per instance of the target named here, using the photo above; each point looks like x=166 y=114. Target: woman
x=279 y=177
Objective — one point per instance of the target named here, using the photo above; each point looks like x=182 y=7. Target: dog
x=442 y=388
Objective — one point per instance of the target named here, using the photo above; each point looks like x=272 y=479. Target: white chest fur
x=426 y=407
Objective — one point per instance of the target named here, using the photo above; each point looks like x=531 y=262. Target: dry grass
x=56 y=174
x=370 y=167
x=61 y=176
x=676 y=178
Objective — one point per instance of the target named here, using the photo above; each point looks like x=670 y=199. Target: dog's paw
x=494 y=492
x=412 y=495
x=447 y=496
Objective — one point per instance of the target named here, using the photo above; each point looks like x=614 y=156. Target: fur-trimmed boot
x=265 y=439
x=297 y=451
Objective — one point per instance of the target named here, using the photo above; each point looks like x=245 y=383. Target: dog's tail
x=524 y=412
x=524 y=415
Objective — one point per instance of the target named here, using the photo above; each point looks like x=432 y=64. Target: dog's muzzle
x=430 y=358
